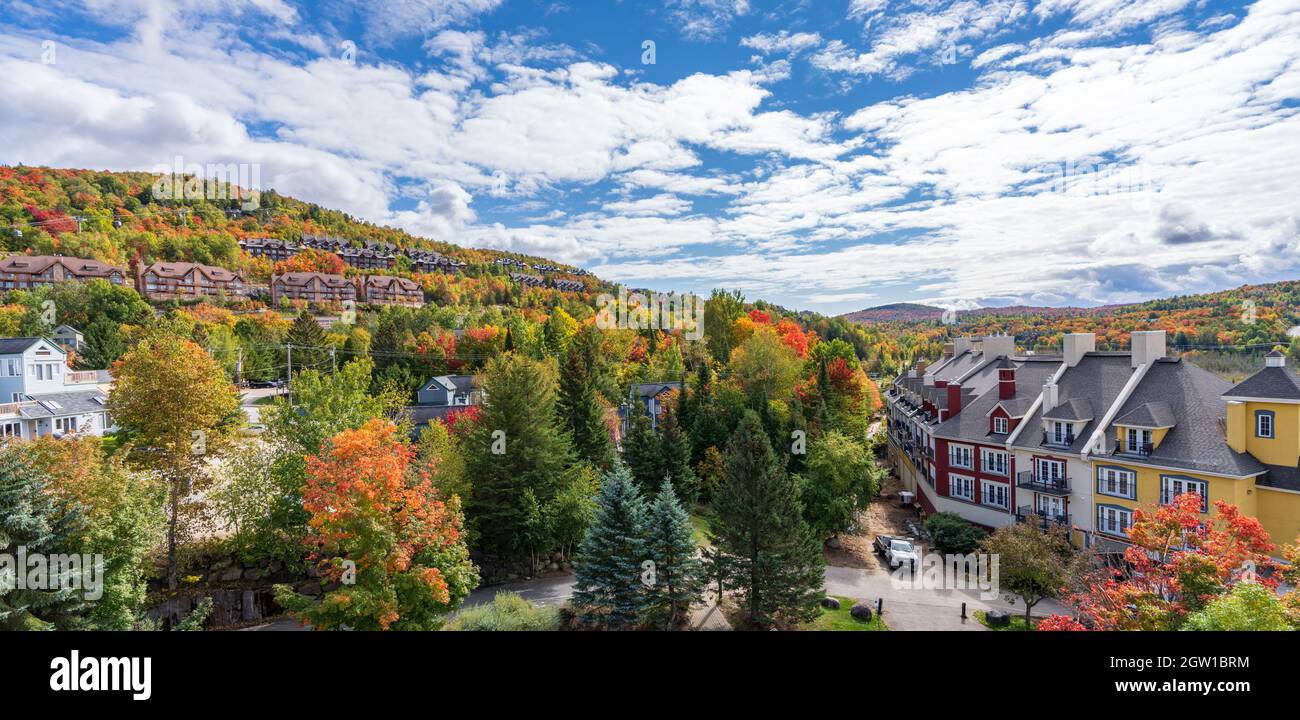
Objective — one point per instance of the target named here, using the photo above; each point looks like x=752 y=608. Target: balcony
x=1045 y=518
x=1138 y=450
x=1030 y=480
x=1050 y=439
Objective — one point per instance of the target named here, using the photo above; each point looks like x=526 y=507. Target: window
x=1171 y=486
x=11 y=429
x=1113 y=520
x=1000 y=425
x=14 y=367
x=994 y=494
x=1264 y=423
x=961 y=456
x=993 y=462
x=65 y=424
x=1138 y=440
x=1116 y=482
x=961 y=487
x=1061 y=433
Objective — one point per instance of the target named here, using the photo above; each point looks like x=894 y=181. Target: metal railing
x=1045 y=517
x=1049 y=484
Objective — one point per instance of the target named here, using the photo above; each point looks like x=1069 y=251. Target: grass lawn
x=267 y=400
x=842 y=620
x=1017 y=622
x=701 y=525
x=109 y=443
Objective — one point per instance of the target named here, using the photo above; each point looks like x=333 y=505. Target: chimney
x=1075 y=345
x=954 y=398
x=961 y=345
x=999 y=346
x=1050 y=398
x=1147 y=346
x=1275 y=358
x=1006 y=383
x=918 y=370
x=948 y=349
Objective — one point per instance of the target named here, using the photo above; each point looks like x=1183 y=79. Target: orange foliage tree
x=391 y=547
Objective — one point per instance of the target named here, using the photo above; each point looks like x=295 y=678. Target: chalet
x=391 y=290
x=528 y=280
x=270 y=248
x=29 y=271
x=312 y=287
x=652 y=398
x=68 y=338
x=440 y=397
x=166 y=280
x=40 y=396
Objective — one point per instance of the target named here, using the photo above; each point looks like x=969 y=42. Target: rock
x=553 y=567
x=830 y=603
x=275 y=567
x=254 y=574
x=833 y=543
x=861 y=611
x=248 y=606
x=231 y=574
x=311 y=589
x=998 y=618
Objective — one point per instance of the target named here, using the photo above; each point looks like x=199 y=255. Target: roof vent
x=1275 y=359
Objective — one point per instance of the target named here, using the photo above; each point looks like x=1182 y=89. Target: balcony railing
x=1051 y=439
x=1030 y=480
x=1140 y=449
x=80 y=377
x=1046 y=518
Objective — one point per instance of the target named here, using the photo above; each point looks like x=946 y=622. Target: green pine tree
x=675 y=459
x=516 y=445
x=770 y=556
x=31 y=519
x=581 y=412
x=670 y=543
x=309 y=343
x=641 y=449
x=608 y=586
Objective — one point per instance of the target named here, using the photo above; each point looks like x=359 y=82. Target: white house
x=40 y=396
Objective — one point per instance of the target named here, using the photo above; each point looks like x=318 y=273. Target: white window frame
x=1117 y=523
x=1260 y=419
x=993 y=468
x=1171 y=486
x=1001 y=425
x=990 y=489
x=964 y=453
x=966 y=483
x=1060 y=431
x=66 y=424
x=1116 y=477
x=11 y=428
x=1137 y=437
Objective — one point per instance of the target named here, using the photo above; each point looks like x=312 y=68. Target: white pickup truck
x=896 y=550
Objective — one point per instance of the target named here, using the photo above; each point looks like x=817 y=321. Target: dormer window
x=1138 y=441
x=1000 y=425
x=1061 y=434
x=1264 y=424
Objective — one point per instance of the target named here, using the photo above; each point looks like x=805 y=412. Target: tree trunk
x=172 y=569
x=1029 y=608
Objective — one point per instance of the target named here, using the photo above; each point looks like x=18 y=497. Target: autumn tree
x=1035 y=562
x=839 y=480
x=381 y=530
x=768 y=553
x=176 y=403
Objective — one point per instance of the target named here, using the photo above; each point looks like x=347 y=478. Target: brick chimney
x=954 y=398
x=1006 y=382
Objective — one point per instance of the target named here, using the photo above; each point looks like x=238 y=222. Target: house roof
x=1197 y=442
x=1098 y=378
x=302 y=279
x=1272 y=382
x=13 y=346
x=647 y=390
x=1281 y=477
x=1016 y=407
x=463 y=384
x=39 y=263
x=1076 y=409
x=62 y=404
x=181 y=269
x=972 y=422
x=386 y=282
x=1155 y=414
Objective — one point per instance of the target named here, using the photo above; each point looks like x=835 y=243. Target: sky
x=826 y=155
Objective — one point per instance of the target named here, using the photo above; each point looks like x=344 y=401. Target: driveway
x=248 y=402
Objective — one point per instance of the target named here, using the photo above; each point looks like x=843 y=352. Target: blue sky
x=824 y=155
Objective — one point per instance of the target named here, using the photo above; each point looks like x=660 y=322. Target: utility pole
x=288 y=381
x=239 y=367
x=334 y=361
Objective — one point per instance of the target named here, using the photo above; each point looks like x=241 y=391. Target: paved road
x=248 y=399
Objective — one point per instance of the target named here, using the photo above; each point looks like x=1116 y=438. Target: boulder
x=998 y=618
x=230 y=574
x=830 y=603
x=861 y=611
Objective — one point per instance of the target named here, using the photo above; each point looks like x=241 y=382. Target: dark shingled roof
x=1155 y=414
x=13 y=346
x=1072 y=410
x=972 y=423
x=1281 y=477
x=1198 y=441
x=1098 y=378
x=1272 y=382
x=1017 y=406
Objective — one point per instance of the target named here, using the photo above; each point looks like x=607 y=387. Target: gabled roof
x=973 y=424
x=1098 y=378
x=181 y=269
x=386 y=282
x=1153 y=415
x=1075 y=409
x=32 y=264
x=1277 y=383
x=1198 y=440
x=302 y=279
x=647 y=390
x=13 y=346
x=1017 y=406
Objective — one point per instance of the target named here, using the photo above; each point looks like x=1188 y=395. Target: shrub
x=952 y=535
x=507 y=612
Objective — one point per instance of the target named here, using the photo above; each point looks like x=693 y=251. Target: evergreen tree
x=581 y=412
x=32 y=519
x=769 y=554
x=641 y=449
x=309 y=343
x=516 y=445
x=675 y=458
x=608 y=587
x=670 y=543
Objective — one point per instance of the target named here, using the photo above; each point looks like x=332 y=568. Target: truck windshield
x=901 y=546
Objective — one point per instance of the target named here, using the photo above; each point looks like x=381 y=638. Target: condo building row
x=1082 y=439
